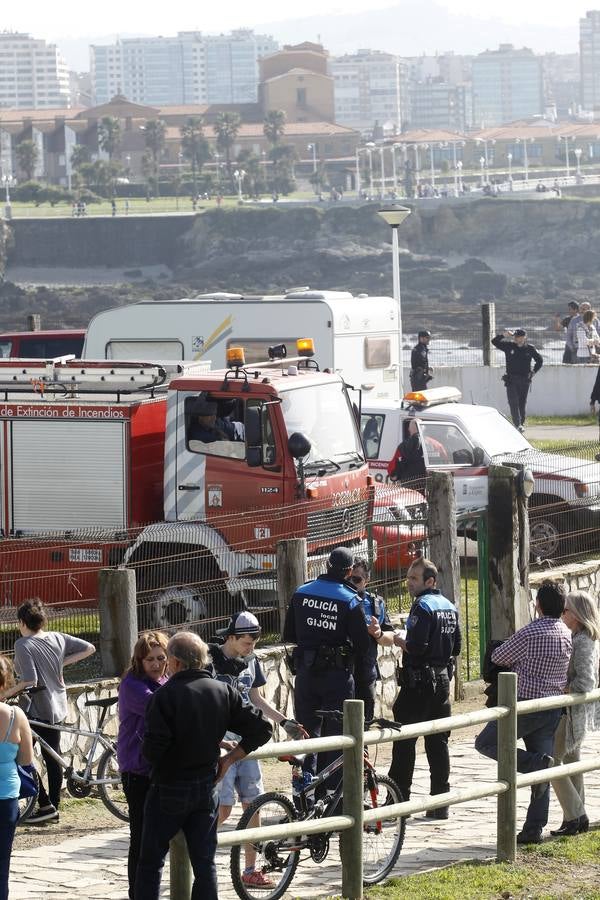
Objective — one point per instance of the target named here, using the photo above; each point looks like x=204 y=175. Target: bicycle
x=278 y=858
x=79 y=784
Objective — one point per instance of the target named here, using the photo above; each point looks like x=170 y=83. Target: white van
x=356 y=336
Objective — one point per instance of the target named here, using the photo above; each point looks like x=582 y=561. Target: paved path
x=566 y=433
x=94 y=866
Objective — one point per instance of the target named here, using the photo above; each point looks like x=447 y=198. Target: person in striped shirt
x=539 y=653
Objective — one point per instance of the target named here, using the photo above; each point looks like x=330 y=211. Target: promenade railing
x=353 y=741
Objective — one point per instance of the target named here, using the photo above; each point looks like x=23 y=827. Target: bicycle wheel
x=112 y=795
x=382 y=841
x=27 y=804
x=276 y=859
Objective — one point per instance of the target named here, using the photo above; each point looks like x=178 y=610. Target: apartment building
x=33 y=74
x=507 y=85
x=370 y=87
x=190 y=67
x=589 y=52
x=435 y=104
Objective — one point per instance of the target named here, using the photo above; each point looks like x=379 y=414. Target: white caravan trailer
x=357 y=336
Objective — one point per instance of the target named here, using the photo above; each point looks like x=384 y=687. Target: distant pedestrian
x=519 y=356
x=126 y=206
x=420 y=371
x=588 y=338
x=562 y=324
x=146 y=673
x=185 y=723
x=113 y=207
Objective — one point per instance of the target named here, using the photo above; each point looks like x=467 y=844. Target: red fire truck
x=108 y=447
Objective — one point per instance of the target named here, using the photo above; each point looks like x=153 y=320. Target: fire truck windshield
x=323 y=413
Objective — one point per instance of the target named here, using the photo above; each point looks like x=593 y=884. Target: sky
x=64 y=19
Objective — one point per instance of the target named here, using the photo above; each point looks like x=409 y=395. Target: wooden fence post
x=118 y=618
x=180 y=869
x=488 y=331
x=506 y=828
x=351 y=850
x=443 y=544
x=509 y=577
x=292 y=571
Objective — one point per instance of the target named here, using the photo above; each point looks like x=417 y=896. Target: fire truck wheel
x=175 y=606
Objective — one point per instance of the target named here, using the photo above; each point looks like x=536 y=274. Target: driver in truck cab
x=207 y=425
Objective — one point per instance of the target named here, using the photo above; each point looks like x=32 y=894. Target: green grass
x=563 y=868
x=583 y=419
x=584 y=451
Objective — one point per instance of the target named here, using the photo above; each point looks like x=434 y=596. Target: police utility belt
x=326 y=658
x=423 y=678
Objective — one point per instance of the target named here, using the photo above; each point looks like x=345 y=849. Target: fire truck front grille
x=329 y=527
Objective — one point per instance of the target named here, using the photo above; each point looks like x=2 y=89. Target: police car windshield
x=495 y=434
x=322 y=412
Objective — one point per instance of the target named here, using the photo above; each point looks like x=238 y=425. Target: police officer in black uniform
x=432 y=640
x=519 y=356
x=326 y=621
x=420 y=372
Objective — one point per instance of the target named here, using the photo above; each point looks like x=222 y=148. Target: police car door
x=446 y=447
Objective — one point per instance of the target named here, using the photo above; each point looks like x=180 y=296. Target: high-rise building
x=370 y=87
x=589 y=54
x=33 y=74
x=188 y=68
x=437 y=105
x=507 y=85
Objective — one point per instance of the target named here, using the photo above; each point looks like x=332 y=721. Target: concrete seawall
x=97 y=241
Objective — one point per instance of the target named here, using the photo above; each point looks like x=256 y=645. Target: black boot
x=567 y=828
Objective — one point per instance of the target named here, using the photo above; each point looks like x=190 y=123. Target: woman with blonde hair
x=146 y=673
x=582 y=617
x=16 y=746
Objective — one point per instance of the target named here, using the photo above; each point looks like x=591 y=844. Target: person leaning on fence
x=519 y=356
x=326 y=622
x=146 y=673
x=381 y=632
x=186 y=721
x=39 y=659
x=234 y=663
x=433 y=640
x=16 y=746
x=539 y=653
x=581 y=617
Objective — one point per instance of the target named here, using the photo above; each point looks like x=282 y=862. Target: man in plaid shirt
x=539 y=653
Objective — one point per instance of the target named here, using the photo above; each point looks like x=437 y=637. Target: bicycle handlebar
x=334 y=715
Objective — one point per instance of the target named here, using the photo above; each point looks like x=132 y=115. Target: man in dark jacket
x=420 y=372
x=326 y=621
x=519 y=356
x=185 y=723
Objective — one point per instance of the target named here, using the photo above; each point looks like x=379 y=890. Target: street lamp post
x=578 y=152
x=369 y=148
x=455 y=162
x=509 y=157
x=313 y=147
x=7 y=180
x=357 y=172
x=395 y=216
x=417 y=164
x=239 y=175
x=459 y=166
x=394 y=169
x=482 y=164
x=382 y=161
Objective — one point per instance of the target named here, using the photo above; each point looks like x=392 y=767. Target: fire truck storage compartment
x=67 y=475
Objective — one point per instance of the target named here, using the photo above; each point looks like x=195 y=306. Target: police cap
x=520 y=332
x=424 y=333
x=340 y=559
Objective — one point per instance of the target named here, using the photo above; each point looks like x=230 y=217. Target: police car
x=465 y=439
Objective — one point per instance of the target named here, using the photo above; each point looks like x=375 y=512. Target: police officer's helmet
x=424 y=333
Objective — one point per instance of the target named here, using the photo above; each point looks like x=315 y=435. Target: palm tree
x=109 y=136
x=274 y=126
x=283 y=157
x=226 y=129
x=154 y=138
x=27 y=157
x=80 y=154
x=194 y=147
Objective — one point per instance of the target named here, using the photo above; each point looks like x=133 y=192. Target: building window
x=301 y=97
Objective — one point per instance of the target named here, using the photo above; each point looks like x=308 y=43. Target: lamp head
x=394 y=215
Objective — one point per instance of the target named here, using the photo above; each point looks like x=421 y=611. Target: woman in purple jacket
x=145 y=675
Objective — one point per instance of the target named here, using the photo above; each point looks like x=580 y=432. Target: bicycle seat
x=103 y=703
